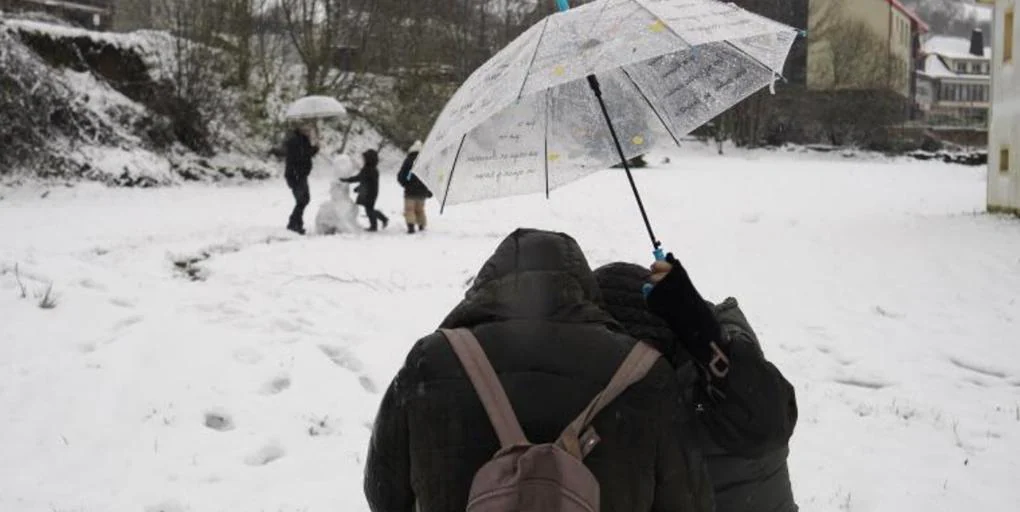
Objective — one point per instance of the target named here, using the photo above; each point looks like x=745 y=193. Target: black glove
x=677 y=301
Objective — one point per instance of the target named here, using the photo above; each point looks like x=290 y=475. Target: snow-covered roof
x=952 y=47
x=935 y=67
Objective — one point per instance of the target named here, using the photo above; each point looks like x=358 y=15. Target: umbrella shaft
x=597 y=89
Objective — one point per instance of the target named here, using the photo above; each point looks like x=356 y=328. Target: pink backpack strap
x=578 y=439
x=487 y=386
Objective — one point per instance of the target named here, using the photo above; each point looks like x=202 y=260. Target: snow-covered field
x=248 y=380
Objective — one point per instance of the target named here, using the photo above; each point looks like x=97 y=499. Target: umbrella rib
x=754 y=59
x=534 y=56
x=547 y=143
x=659 y=18
x=650 y=105
x=446 y=195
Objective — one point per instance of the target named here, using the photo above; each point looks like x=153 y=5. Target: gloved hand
x=675 y=299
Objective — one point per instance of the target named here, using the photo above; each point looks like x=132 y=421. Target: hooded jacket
x=367 y=179
x=533 y=307
x=414 y=188
x=299 y=154
x=743 y=432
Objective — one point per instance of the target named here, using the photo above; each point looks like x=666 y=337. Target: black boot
x=410 y=229
x=421 y=227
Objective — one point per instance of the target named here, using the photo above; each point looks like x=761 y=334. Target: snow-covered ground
x=248 y=380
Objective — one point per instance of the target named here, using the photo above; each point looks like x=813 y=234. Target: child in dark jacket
x=368 y=189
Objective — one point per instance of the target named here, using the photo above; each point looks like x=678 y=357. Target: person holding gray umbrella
x=301 y=146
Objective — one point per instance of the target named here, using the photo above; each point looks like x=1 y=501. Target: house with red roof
x=895 y=29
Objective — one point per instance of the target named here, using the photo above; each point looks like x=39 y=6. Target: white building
x=954 y=82
x=1004 y=134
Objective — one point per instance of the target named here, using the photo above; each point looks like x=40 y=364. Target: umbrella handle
x=660 y=255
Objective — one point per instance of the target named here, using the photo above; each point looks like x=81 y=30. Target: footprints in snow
x=342 y=358
x=276 y=385
x=189 y=265
x=348 y=361
x=247 y=355
x=128 y=322
x=368 y=384
x=870 y=384
x=324 y=427
x=122 y=302
x=219 y=420
x=269 y=453
x=863 y=383
x=166 y=506
x=979 y=369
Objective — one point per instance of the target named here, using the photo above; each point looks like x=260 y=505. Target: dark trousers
x=302 y=197
x=374 y=216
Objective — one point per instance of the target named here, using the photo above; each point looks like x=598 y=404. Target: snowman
x=339 y=214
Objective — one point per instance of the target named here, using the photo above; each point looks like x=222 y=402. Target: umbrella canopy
x=315 y=107
x=528 y=121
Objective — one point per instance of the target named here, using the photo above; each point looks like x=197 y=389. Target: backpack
x=525 y=477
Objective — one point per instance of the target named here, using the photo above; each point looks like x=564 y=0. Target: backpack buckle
x=719 y=366
x=589 y=440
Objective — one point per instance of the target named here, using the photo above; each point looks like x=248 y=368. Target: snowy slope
x=877 y=286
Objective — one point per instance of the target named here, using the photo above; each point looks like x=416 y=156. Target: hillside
x=111 y=108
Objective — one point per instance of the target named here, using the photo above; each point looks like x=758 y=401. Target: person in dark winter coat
x=302 y=145
x=744 y=409
x=534 y=308
x=415 y=192
x=368 y=189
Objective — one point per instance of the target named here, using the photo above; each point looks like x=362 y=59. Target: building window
x=1004 y=159
x=961 y=67
x=1007 y=36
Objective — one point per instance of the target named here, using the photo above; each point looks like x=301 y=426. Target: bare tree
x=196 y=97
x=318 y=29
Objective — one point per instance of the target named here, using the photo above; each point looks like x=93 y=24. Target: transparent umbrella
x=594 y=86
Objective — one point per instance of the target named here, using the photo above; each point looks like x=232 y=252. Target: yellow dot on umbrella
x=658 y=26
x=638 y=140
x=559 y=70
x=554 y=157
